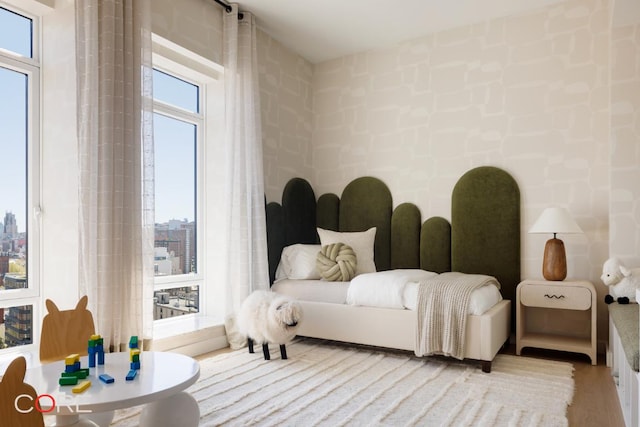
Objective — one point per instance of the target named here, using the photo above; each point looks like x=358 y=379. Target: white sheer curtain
x=115 y=143
x=246 y=241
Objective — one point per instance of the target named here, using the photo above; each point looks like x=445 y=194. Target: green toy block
x=68 y=381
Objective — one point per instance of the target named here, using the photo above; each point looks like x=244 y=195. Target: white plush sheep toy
x=622 y=281
x=267 y=317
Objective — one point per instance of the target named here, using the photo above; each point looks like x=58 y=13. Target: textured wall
x=285 y=95
x=193 y=24
x=527 y=93
x=625 y=137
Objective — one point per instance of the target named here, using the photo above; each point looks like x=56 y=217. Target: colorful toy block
x=72 y=371
x=68 y=380
x=106 y=378
x=95 y=348
x=82 y=386
x=71 y=359
x=79 y=374
x=134 y=353
x=131 y=375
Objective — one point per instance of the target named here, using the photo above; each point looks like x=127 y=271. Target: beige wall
x=625 y=135
x=193 y=24
x=286 y=99
x=526 y=93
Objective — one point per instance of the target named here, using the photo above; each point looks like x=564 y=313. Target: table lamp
x=555 y=220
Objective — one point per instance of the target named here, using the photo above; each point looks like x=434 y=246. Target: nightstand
x=557 y=316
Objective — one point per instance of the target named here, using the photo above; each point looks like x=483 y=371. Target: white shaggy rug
x=329 y=384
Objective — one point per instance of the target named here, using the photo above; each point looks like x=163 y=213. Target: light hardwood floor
x=595 y=400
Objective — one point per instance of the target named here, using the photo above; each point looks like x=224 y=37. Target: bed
x=483 y=237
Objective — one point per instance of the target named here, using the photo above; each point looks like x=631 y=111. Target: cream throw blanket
x=443 y=306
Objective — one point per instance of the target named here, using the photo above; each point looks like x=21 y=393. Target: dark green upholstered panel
x=275 y=237
x=299 y=208
x=435 y=245
x=365 y=203
x=485 y=220
x=328 y=211
x=405 y=236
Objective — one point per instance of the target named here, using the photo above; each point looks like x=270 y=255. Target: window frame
x=31 y=67
x=176 y=61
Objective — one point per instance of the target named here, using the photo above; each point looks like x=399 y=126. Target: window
x=178 y=127
x=19 y=176
x=188 y=127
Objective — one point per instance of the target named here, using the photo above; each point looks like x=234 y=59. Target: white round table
x=161 y=377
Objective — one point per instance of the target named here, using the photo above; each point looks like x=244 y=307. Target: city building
x=18 y=321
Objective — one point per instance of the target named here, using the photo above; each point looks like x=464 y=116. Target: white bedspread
x=384 y=288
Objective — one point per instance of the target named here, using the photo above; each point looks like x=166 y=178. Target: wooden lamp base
x=554 y=265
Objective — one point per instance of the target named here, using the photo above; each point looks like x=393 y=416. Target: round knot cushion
x=336 y=262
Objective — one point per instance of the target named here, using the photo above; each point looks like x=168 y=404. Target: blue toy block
x=131 y=375
x=101 y=358
x=106 y=378
x=69 y=368
x=92 y=357
x=135 y=365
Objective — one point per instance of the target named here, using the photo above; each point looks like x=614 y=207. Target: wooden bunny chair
x=12 y=386
x=65 y=332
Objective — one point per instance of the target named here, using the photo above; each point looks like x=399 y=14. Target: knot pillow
x=336 y=262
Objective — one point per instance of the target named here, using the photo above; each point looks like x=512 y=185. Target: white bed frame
x=394 y=328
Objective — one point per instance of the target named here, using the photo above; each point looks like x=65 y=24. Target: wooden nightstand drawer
x=556 y=296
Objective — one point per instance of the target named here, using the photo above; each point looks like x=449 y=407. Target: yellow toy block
x=95 y=337
x=132 y=353
x=71 y=359
x=81 y=387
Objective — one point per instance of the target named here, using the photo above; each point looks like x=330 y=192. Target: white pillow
x=298 y=262
x=361 y=242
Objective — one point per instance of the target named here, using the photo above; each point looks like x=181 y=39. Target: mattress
x=336 y=293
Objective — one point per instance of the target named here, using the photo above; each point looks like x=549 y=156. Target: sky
x=173 y=139
x=15 y=34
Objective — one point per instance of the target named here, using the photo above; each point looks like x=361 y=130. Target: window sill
x=190 y=335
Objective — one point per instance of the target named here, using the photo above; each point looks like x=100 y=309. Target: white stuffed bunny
x=622 y=281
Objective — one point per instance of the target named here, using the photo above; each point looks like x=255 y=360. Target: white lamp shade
x=555 y=220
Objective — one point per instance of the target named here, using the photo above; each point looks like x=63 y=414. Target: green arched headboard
x=485 y=226
x=482 y=237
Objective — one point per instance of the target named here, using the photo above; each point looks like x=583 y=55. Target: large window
x=19 y=176
x=178 y=129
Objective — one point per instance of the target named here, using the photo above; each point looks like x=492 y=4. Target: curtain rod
x=223 y=4
x=228 y=8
